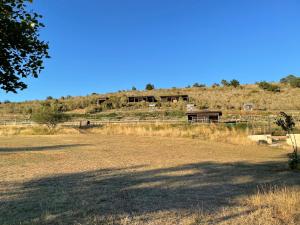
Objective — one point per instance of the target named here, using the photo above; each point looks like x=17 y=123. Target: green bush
x=295 y=83
x=225 y=83
x=199 y=85
x=268 y=87
x=149 y=87
x=50 y=116
x=287 y=79
x=292 y=80
x=234 y=83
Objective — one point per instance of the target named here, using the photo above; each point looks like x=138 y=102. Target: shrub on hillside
x=295 y=83
x=234 y=83
x=198 y=85
x=287 y=79
x=225 y=83
x=292 y=80
x=149 y=87
x=268 y=87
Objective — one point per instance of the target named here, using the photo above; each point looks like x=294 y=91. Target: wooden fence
x=253 y=124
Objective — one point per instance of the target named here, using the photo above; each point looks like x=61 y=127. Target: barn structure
x=101 y=100
x=174 y=98
x=204 y=116
x=148 y=98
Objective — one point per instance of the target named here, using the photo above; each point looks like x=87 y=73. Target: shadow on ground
x=74 y=198
x=40 y=148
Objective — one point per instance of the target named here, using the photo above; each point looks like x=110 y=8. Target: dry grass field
x=117 y=179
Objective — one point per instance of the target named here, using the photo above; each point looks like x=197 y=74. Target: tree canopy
x=149 y=87
x=50 y=115
x=21 y=51
x=235 y=83
x=293 y=80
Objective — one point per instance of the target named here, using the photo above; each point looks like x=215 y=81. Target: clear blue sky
x=104 y=46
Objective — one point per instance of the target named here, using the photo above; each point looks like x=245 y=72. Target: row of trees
x=292 y=80
x=233 y=83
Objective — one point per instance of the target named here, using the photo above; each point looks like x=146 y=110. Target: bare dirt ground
x=98 y=179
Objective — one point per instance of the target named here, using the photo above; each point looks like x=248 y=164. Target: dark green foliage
x=234 y=83
x=21 y=51
x=149 y=87
x=225 y=83
x=292 y=80
x=268 y=87
x=49 y=115
x=199 y=85
x=287 y=123
x=295 y=83
x=287 y=79
x=133 y=88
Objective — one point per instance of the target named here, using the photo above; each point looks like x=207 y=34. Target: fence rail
x=254 y=124
x=104 y=122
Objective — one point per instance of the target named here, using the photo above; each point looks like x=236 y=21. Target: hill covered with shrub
x=230 y=96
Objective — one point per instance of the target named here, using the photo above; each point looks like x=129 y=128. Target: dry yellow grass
x=198 y=131
x=10 y=130
x=117 y=179
x=281 y=203
x=271 y=205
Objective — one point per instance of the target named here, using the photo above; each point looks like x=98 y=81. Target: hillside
x=228 y=99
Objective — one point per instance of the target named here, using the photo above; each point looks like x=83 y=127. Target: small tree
x=295 y=83
x=224 y=83
x=286 y=122
x=268 y=87
x=235 y=83
x=292 y=80
x=149 y=87
x=50 y=116
x=199 y=85
x=287 y=79
x=133 y=88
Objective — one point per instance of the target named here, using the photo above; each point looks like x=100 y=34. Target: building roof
x=204 y=112
x=140 y=96
x=165 y=96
